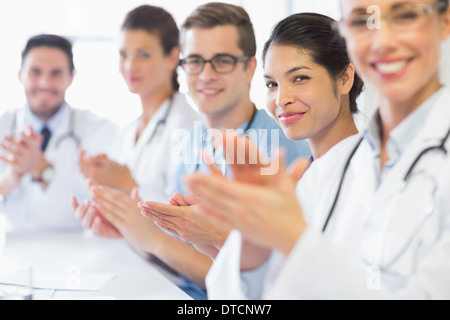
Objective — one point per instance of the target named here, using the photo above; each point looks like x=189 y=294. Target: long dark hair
x=159 y=22
x=313 y=33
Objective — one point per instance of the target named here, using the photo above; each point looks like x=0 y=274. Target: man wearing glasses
x=218 y=48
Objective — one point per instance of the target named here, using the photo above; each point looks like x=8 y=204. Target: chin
x=293 y=134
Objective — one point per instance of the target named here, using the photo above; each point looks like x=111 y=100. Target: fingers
x=82 y=155
x=91 y=183
x=88 y=219
x=298 y=168
x=168 y=226
x=81 y=210
x=210 y=163
x=217 y=194
x=74 y=203
x=177 y=200
x=11 y=147
x=241 y=151
x=84 y=212
x=191 y=200
x=183 y=200
x=135 y=195
x=160 y=209
x=7 y=160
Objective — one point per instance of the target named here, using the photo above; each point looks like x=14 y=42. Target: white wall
x=95 y=24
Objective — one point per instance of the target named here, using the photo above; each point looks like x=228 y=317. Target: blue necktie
x=47 y=134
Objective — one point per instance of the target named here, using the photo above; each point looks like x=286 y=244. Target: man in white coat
x=40 y=142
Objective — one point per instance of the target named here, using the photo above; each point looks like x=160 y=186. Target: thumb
x=298 y=168
x=135 y=194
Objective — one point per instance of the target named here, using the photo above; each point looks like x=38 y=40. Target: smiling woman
x=312 y=86
x=376 y=208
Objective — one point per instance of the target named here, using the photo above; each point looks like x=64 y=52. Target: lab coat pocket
x=407 y=214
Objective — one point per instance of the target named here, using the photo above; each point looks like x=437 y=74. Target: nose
x=208 y=73
x=129 y=65
x=383 y=38
x=44 y=81
x=284 y=97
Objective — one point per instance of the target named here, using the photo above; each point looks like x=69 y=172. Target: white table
x=135 y=278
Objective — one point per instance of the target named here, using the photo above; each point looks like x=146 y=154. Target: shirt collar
x=402 y=135
x=37 y=124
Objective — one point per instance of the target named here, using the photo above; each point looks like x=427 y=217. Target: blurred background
x=94 y=26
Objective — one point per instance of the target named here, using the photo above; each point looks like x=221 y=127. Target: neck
x=45 y=116
x=393 y=112
x=231 y=118
x=342 y=128
x=152 y=102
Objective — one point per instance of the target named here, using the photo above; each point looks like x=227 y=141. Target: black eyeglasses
x=221 y=63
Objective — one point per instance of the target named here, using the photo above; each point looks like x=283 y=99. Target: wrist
x=291 y=238
x=129 y=186
x=39 y=168
x=45 y=176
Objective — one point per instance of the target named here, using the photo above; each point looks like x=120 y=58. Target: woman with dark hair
x=379 y=225
x=149 y=55
x=311 y=91
x=311 y=85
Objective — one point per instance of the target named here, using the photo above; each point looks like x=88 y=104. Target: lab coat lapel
x=401 y=216
x=141 y=158
x=63 y=129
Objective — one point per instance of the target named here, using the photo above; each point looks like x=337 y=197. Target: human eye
x=271 y=84
x=143 y=55
x=35 y=72
x=301 y=78
x=405 y=15
x=223 y=61
x=358 y=21
x=122 y=55
x=57 y=73
x=194 y=61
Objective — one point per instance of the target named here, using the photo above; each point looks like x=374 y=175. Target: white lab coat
x=28 y=206
x=150 y=158
x=378 y=244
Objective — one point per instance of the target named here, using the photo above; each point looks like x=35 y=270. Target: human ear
x=446 y=24
x=346 y=80
x=174 y=57
x=251 y=68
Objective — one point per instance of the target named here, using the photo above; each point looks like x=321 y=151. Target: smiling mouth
x=44 y=94
x=391 y=68
x=210 y=92
x=290 y=117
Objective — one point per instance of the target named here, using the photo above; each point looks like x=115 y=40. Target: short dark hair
x=313 y=33
x=157 y=21
x=216 y=14
x=52 y=41
x=446 y=5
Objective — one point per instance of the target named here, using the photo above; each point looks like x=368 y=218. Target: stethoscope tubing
x=249 y=125
x=70 y=134
x=440 y=147
x=163 y=121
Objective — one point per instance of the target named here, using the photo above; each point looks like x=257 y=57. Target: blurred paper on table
x=64 y=281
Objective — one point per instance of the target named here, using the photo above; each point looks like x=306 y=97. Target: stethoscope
x=249 y=125
x=440 y=147
x=70 y=134
x=161 y=122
